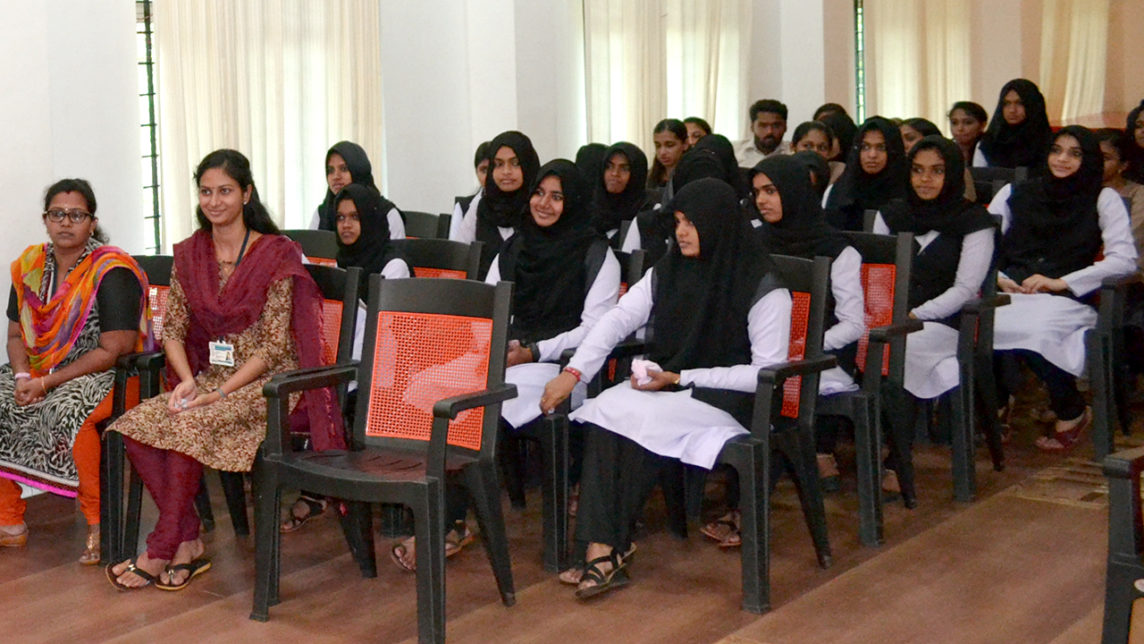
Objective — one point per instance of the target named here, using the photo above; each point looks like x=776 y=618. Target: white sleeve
x=629 y=314
x=1000 y=206
x=1119 y=249
x=395 y=269
x=467 y=229
x=316 y=220
x=849 y=304
x=632 y=239
x=493 y=276
x=396 y=224
x=359 y=331
x=600 y=299
x=768 y=325
x=880 y=227
x=455 y=221
x=826 y=195
x=976 y=254
x=979 y=160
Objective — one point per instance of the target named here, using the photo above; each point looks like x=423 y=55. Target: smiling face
x=507 y=173
x=966 y=129
x=617 y=173
x=767 y=198
x=686 y=236
x=872 y=155
x=927 y=174
x=348 y=221
x=337 y=173
x=1065 y=156
x=67 y=235
x=815 y=141
x=1012 y=108
x=547 y=203
x=220 y=197
x=668 y=149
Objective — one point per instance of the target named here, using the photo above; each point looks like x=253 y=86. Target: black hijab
x=1135 y=152
x=1054 y=228
x=504 y=209
x=843 y=128
x=611 y=209
x=948 y=213
x=548 y=264
x=699 y=315
x=657 y=227
x=724 y=151
x=816 y=166
x=856 y=191
x=1024 y=144
x=802 y=231
x=361 y=172
x=590 y=160
x=372 y=250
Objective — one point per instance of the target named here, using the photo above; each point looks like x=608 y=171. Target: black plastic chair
x=422 y=225
x=441 y=257
x=1124 y=578
x=320 y=246
x=1109 y=372
x=444 y=221
x=439 y=345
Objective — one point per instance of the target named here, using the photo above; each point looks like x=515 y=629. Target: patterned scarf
x=50 y=325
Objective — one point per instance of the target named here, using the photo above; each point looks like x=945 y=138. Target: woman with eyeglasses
x=75 y=306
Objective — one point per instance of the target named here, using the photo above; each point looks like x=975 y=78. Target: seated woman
x=75 y=306
x=815 y=136
x=565 y=279
x=1134 y=135
x=717 y=313
x=512 y=164
x=697 y=128
x=954 y=242
x=967 y=122
x=844 y=129
x=1018 y=134
x=1055 y=226
x=363 y=241
x=1114 y=148
x=620 y=191
x=347 y=163
x=590 y=162
x=671 y=141
x=461 y=205
x=875 y=174
x=241 y=308
x=914 y=129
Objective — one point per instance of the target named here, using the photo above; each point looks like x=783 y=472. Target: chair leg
x=867 y=442
x=755 y=527
x=232 y=487
x=511 y=458
x=267 y=540
x=896 y=403
x=985 y=392
x=801 y=454
x=203 y=506
x=130 y=542
x=111 y=498
x=1102 y=397
x=554 y=491
x=964 y=466
x=429 y=529
x=481 y=480
x=1119 y=595
x=357 y=526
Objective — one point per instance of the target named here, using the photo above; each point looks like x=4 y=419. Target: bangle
x=43 y=386
x=221 y=393
x=21 y=375
x=678 y=377
x=575 y=372
x=533 y=351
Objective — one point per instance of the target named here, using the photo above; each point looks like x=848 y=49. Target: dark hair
x=1120 y=141
x=700 y=123
x=482 y=154
x=828 y=108
x=237 y=167
x=806 y=127
x=924 y=127
x=658 y=173
x=769 y=105
x=973 y=109
x=84 y=189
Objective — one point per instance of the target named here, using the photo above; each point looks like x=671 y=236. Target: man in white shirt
x=768 y=126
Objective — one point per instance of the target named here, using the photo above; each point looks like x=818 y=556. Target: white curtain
x=1074 y=48
x=918 y=57
x=278 y=80
x=655 y=59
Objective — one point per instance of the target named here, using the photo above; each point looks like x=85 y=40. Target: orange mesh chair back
x=807 y=282
x=319 y=246
x=886 y=262
x=438 y=258
x=423 y=344
x=339 y=289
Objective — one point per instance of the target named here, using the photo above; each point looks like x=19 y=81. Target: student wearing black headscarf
x=715 y=313
x=590 y=161
x=1055 y=225
x=844 y=129
x=513 y=164
x=1134 y=132
x=954 y=248
x=817 y=168
x=875 y=174
x=1018 y=134
x=347 y=163
x=620 y=188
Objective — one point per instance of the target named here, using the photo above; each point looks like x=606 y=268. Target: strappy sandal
x=604 y=581
x=90 y=556
x=316 y=508
x=453 y=546
x=195 y=568
x=1062 y=442
x=572 y=576
x=131 y=568
x=732 y=538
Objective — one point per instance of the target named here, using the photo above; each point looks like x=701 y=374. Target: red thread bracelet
x=575 y=372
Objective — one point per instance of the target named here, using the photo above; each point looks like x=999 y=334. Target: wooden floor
x=1022 y=564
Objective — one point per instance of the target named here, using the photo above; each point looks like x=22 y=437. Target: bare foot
x=125 y=577
x=188 y=551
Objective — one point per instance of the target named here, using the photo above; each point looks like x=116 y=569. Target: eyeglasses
x=77 y=216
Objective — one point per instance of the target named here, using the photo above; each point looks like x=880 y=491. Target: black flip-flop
x=196 y=568
x=132 y=568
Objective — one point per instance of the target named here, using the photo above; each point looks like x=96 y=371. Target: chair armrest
x=1125 y=464
x=450 y=407
x=979 y=304
x=1120 y=282
x=781 y=372
x=289 y=382
x=883 y=334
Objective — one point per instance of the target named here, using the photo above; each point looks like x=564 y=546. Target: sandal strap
x=136 y=570
x=592 y=571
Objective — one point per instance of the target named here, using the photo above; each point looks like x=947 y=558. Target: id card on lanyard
x=221 y=352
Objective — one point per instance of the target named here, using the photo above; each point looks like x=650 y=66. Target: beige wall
x=1124 y=88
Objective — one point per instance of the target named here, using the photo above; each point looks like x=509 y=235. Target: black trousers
x=618 y=476
x=1064 y=398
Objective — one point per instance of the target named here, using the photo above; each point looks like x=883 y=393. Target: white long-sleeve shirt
x=467 y=231
x=849 y=303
